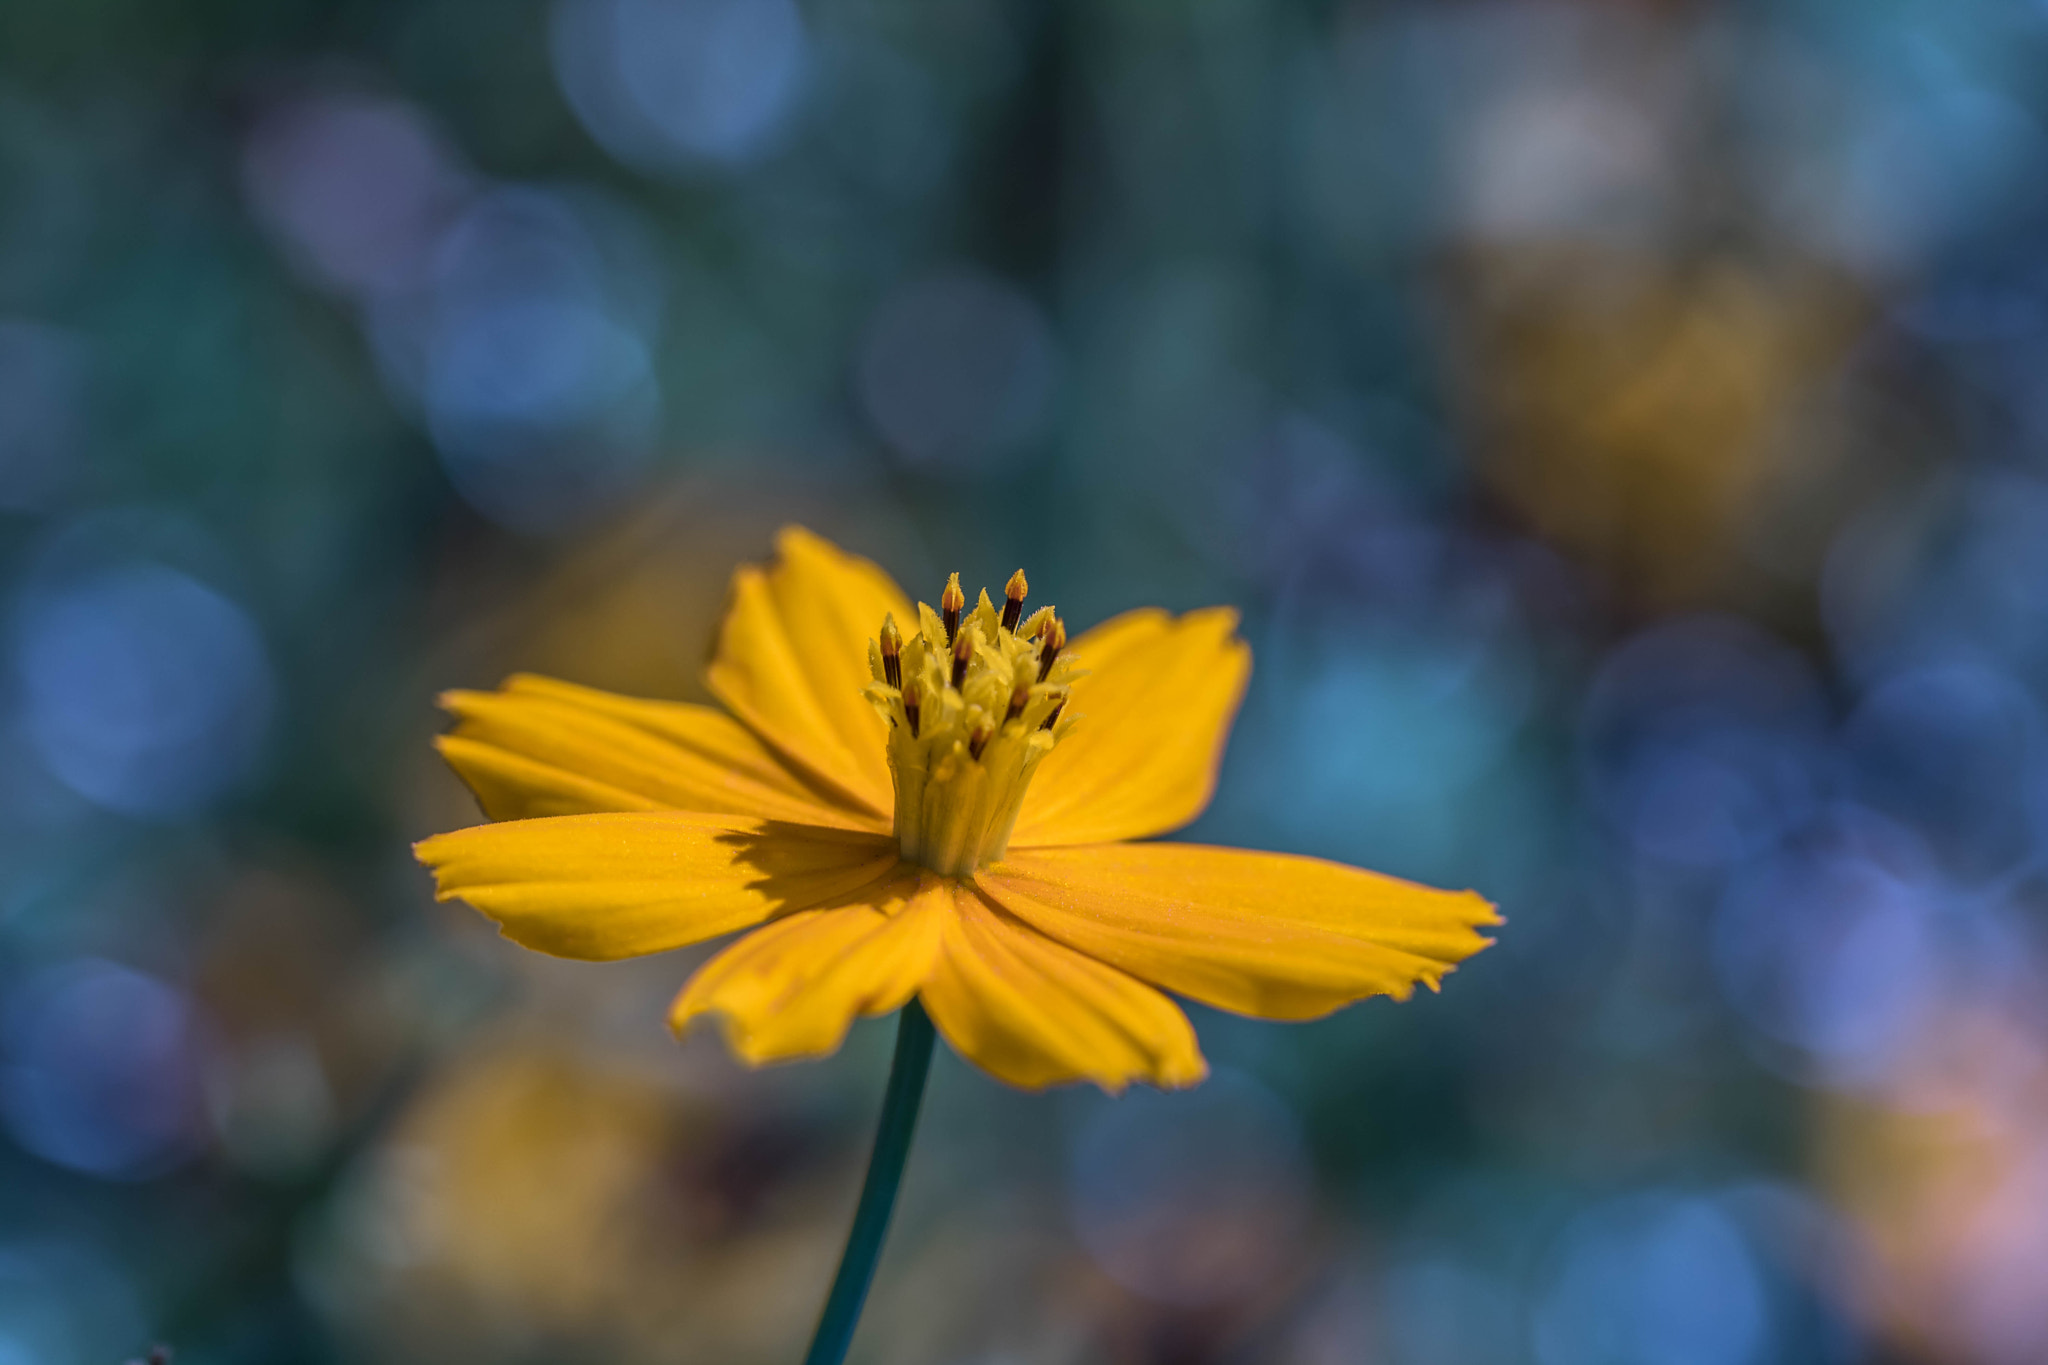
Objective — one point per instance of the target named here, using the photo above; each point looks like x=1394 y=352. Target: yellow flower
x=941 y=816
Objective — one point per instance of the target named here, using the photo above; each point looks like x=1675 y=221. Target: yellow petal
x=793 y=987
x=626 y=883
x=1266 y=934
x=1034 y=1013
x=793 y=657
x=542 y=747
x=1155 y=709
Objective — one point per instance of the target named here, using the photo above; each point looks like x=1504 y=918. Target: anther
x=1018 y=699
x=951 y=603
x=963 y=650
x=1051 y=641
x=910 y=708
x=1050 y=716
x=978 y=740
x=1013 y=600
x=892 y=651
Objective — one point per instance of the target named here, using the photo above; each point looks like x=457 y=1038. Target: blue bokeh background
x=1623 y=425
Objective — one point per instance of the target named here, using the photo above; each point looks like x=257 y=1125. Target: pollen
x=974 y=701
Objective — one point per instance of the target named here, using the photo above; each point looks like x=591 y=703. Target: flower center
x=974 y=702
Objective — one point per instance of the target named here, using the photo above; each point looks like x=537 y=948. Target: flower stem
x=878 y=1192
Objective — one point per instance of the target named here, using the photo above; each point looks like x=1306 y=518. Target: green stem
x=878 y=1193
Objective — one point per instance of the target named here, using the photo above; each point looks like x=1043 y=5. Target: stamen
x=966 y=700
x=1052 y=640
x=1013 y=600
x=892 y=651
x=951 y=603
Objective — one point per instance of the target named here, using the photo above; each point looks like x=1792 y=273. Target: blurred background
x=1624 y=427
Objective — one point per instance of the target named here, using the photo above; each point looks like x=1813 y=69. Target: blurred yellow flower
x=939 y=817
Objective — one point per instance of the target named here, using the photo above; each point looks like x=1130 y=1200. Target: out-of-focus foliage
x=1622 y=425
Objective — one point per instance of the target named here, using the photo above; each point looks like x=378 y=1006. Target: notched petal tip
x=432 y=853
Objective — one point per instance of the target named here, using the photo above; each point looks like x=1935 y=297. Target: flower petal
x=1155 y=708
x=1034 y=1013
x=793 y=987
x=1266 y=934
x=625 y=883
x=793 y=657
x=542 y=747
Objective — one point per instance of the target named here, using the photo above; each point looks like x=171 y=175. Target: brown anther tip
x=892 y=651
x=1014 y=593
x=910 y=708
x=1018 y=700
x=978 y=740
x=951 y=603
x=1052 y=716
x=963 y=650
x=1051 y=641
